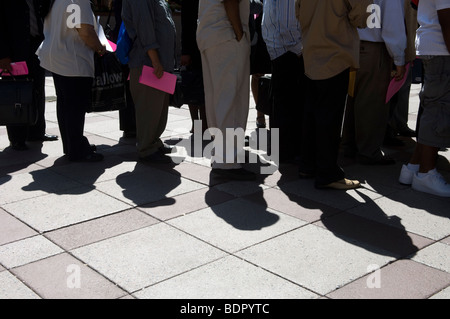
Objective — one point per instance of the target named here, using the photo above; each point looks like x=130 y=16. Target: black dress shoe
x=407 y=133
x=238 y=174
x=44 y=138
x=19 y=146
x=90 y=158
x=384 y=160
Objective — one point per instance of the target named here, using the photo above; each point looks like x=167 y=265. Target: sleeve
x=394 y=31
x=85 y=12
x=289 y=27
x=442 y=4
x=358 y=13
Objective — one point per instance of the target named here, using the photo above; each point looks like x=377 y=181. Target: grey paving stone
x=147 y=256
x=64 y=277
x=436 y=256
x=403 y=279
x=11 y=229
x=13 y=288
x=414 y=211
x=27 y=250
x=146 y=184
x=314 y=258
x=227 y=278
x=100 y=228
x=53 y=211
x=236 y=224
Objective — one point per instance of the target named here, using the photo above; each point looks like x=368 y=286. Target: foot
x=407 y=132
x=343 y=184
x=166 y=149
x=19 y=146
x=407 y=174
x=129 y=134
x=431 y=183
x=90 y=158
x=238 y=174
x=44 y=138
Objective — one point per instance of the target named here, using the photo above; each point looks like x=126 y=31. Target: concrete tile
x=13 y=288
x=33 y=184
x=99 y=229
x=446 y=240
x=236 y=224
x=386 y=238
x=436 y=256
x=53 y=211
x=197 y=173
x=1 y=268
x=227 y=278
x=403 y=279
x=339 y=199
x=64 y=277
x=147 y=256
x=185 y=203
x=413 y=211
x=443 y=294
x=292 y=205
x=314 y=258
x=241 y=188
x=27 y=250
x=146 y=184
x=11 y=229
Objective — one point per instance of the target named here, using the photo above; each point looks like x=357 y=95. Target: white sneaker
x=431 y=183
x=407 y=175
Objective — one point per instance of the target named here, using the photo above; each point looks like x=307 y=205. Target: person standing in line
x=282 y=34
x=224 y=42
x=330 y=50
x=383 y=44
x=21 y=33
x=433 y=46
x=68 y=52
x=150 y=24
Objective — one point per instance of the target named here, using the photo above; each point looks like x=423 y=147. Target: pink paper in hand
x=18 y=68
x=166 y=83
x=395 y=86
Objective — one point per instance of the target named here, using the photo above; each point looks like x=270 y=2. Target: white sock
x=413 y=167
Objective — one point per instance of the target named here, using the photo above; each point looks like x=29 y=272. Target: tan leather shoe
x=344 y=184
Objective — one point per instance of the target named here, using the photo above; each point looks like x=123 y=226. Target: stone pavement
x=121 y=229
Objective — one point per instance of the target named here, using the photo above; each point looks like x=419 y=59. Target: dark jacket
x=15 y=40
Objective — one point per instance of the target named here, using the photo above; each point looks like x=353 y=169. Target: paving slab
x=64 y=277
x=314 y=258
x=12 y=229
x=55 y=211
x=227 y=278
x=403 y=279
x=236 y=224
x=436 y=255
x=13 y=288
x=147 y=256
x=27 y=250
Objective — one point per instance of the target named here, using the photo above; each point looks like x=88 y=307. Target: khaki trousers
x=226 y=76
x=152 y=108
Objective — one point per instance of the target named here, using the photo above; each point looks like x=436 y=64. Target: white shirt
x=429 y=39
x=63 y=51
x=280 y=28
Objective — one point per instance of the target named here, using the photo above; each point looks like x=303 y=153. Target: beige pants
x=152 y=108
x=226 y=76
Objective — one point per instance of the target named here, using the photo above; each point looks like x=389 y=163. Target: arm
x=444 y=20
x=233 y=14
x=89 y=36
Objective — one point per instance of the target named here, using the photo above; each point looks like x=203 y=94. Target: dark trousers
x=287 y=91
x=127 y=116
x=322 y=126
x=73 y=99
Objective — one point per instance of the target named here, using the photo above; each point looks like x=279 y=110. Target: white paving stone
x=144 y=257
x=227 y=278
x=436 y=256
x=13 y=288
x=314 y=258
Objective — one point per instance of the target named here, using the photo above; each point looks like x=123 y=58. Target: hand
x=239 y=36
x=158 y=70
x=5 y=64
x=102 y=51
x=186 y=60
x=400 y=72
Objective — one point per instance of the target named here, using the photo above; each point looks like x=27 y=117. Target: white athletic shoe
x=407 y=175
x=432 y=183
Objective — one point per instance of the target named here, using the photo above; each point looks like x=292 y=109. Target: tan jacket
x=330 y=37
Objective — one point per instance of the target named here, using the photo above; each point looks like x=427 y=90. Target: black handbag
x=16 y=101
x=108 y=90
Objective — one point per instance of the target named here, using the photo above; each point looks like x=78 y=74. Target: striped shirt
x=280 y=28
